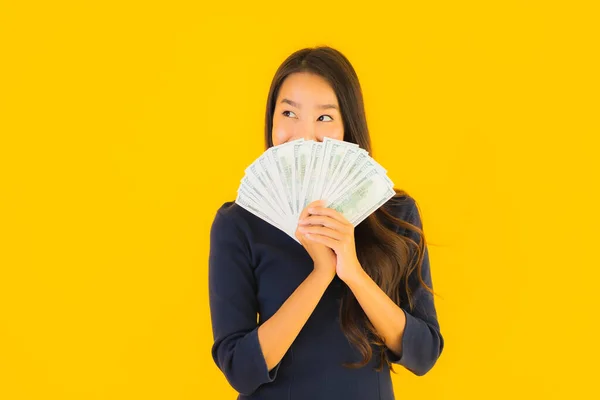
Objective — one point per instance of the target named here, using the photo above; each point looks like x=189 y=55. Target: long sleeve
x=422 y=342
x=233 y=307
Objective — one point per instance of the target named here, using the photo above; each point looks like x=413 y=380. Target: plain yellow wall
x=125 y=126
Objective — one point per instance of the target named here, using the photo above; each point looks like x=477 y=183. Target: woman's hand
x=323 y=257
x=327 y=227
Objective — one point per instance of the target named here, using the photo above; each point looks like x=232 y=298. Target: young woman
x=338 y=310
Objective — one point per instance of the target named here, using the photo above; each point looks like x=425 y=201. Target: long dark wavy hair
x=388 y=257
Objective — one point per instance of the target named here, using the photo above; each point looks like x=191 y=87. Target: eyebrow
x=322 y=107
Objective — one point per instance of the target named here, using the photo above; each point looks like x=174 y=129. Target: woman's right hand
x=323 y=257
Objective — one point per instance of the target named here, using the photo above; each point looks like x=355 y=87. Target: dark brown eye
x=327 y=117
x=287 y=111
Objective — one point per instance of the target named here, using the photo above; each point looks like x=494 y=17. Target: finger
x=304 y=213
x=321 y=230
x=330 y=212
x=316 y=203
x=329 y=242
x=301 y=238
x=325 y=221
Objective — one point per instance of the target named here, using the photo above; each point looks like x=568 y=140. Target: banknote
x=282 y=181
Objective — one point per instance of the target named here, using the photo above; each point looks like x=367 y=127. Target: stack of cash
x=286 y=178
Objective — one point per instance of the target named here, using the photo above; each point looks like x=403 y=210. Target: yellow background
x=124 y=126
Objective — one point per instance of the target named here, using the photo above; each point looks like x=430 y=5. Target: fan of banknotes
x=286 y=178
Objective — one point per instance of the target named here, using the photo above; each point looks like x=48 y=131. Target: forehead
x=304 y=87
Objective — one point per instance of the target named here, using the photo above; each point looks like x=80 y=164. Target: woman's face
x=307 y=108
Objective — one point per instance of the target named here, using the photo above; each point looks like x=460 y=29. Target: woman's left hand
x=329 y=227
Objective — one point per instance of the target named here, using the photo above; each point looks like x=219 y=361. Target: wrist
x=355 y=278
x=323 y=274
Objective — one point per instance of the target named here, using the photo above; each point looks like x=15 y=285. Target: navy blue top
x=253 y=268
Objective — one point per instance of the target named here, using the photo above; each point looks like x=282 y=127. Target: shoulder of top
x=228 y=209
x=229 y=216
x=232 y=211
x=402 y=205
